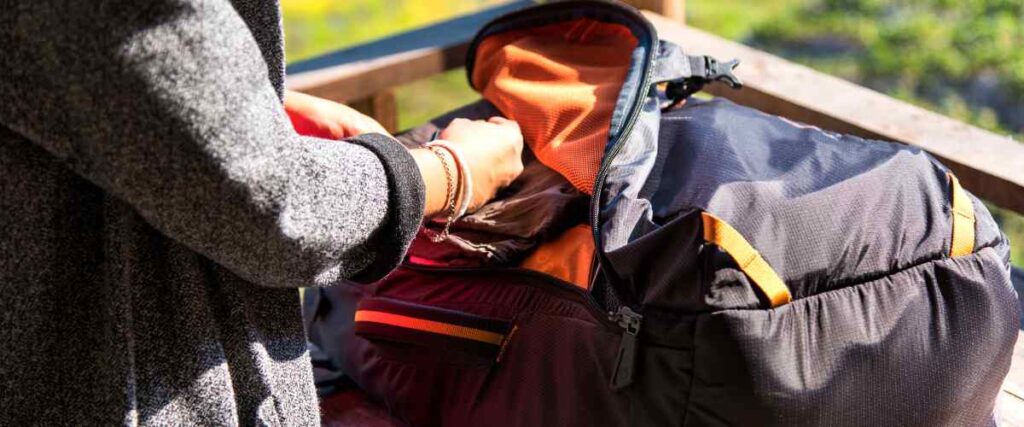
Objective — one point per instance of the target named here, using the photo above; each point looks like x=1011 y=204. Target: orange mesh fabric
x=568 y=257
x=560 y=82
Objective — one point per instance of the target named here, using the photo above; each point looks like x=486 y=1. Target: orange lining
x=561 y=83
x=749 y=260
x=568 y=257
x=429 y=326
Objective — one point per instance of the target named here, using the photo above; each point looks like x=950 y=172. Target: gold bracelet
x=450 y=200
x=465 y=193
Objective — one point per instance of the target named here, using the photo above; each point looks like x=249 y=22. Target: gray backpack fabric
x=750 y=271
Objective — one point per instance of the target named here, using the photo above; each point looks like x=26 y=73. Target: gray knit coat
x=158 y=212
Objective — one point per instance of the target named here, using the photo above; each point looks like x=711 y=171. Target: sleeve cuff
x=406 y=199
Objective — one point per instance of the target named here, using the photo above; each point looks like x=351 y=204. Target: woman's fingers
x=312 y=116
x=366 y=124
x=511 y=124
x=493 y=151
x=498 y=120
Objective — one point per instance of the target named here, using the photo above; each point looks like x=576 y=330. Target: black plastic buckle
x=714 y=71
x=722 y=71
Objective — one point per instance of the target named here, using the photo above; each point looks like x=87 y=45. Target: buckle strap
x=749 y=261
x=685 y=74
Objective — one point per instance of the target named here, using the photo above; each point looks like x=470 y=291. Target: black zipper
x=625 y=359
x=620 y=315
x=602 y=172
x=627 y=127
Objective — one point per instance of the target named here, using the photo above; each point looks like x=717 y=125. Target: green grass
x=735 y=19
x=926 y=52
x=314 y=27
x=418 y=102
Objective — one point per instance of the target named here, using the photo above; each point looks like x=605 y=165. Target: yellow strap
x=963 y=221
x=749 y=260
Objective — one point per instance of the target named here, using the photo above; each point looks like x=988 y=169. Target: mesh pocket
x=561 y=83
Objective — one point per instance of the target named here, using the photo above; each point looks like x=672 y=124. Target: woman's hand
x=492 y=150
x=318 y=117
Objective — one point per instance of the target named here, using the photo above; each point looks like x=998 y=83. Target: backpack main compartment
x=884 y=320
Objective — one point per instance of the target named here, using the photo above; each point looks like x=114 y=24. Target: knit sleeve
x=167 y=105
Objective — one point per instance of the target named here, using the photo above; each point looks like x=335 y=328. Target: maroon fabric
x=556 y=360
x=351 y=408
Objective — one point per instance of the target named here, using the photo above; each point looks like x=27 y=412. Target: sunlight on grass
x=314 y=27
x=734 y=19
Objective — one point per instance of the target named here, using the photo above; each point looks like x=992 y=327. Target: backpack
x=747 y=270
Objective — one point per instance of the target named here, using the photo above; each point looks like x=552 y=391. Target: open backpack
x=669 y=260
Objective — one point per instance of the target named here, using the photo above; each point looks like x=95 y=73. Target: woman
x=157 y=210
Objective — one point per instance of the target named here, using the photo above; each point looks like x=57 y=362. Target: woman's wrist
x=434 y=182
x=464 y=188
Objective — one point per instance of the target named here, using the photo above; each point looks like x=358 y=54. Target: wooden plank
x=364 y=70
x=1010 y=403
x=989 y=165
x=381 y=106
x=1009 y=410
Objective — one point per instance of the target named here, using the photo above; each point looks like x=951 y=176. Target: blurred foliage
x=962 y=58
x=314 y=27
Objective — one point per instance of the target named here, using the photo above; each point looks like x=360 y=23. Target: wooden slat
x=364 y=70
x=989 y=165
x=1009 y=409
x=1010 y=403
x=381 y=106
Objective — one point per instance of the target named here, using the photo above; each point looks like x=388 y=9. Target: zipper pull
x=622 y=376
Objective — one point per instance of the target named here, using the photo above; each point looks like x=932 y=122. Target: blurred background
x=961 y=58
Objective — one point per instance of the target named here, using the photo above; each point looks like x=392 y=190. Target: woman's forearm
x=176 y=118
x=435 y=181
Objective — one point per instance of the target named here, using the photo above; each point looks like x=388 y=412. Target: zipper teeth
x=560 y=285
x=602 y=172
x=616 y=147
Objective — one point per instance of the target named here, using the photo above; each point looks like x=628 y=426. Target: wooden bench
x=989 y=165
